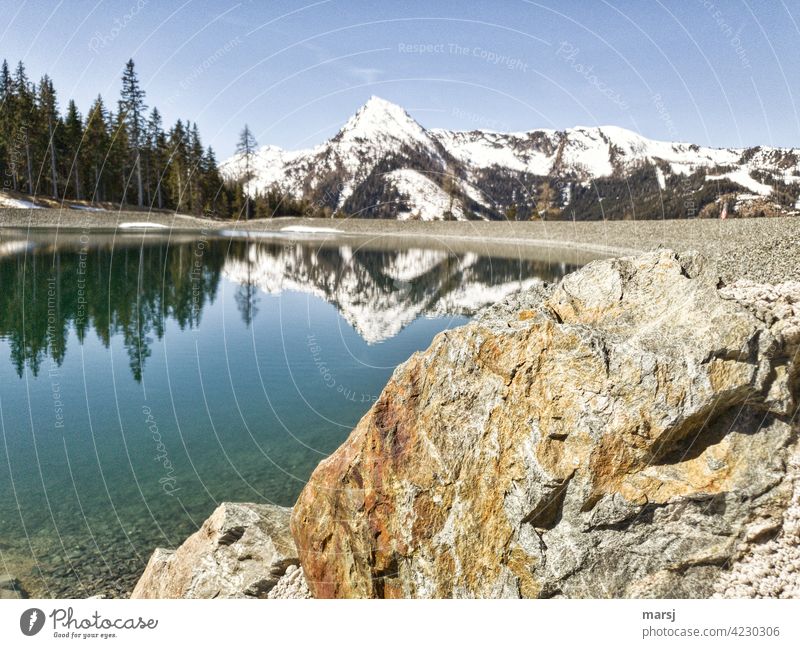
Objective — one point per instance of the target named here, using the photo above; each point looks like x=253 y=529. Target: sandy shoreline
x=766 y=250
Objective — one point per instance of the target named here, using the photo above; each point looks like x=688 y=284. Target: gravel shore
x=763 y=249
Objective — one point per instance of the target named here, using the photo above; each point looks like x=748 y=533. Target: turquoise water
x=143 y=380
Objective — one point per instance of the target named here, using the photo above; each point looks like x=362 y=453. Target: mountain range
x=384 y=164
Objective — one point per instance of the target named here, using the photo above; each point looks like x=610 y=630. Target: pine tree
x=195 y=162
x=24 y=117
x=246 y=147
x=158 y=156
x=7 y=146
x=120 y=166
x=212 y=186
x=48 y=112
x=132 y=110
x=97 y=147
x=176 y=178
x=73 y=142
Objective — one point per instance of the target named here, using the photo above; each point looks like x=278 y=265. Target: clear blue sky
x=721 y=72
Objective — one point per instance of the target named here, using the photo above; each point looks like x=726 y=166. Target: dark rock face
x=621 y=435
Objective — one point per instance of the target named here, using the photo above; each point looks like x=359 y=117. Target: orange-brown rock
x=614 y=436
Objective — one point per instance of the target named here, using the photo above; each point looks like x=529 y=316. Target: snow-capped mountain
x=382 y=163
x=379 y=293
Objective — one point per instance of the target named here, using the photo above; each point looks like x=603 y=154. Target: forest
x=118 y=155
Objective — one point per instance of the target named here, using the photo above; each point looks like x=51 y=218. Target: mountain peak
x=379 y=104
x=379 y=117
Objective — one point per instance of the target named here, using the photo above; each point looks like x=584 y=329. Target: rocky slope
x=382 y=163
x=624 y=434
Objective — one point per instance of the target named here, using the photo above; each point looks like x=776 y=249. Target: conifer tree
x=246 y=148
x=73 y=143
x=24 y=117
x=48 y=112
x=96 y=149
x=120 y=166
x=158 y=156
x=7 y=146
x=132 y=112
x=177 y=165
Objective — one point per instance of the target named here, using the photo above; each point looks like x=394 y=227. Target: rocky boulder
x=618 y=435
x=241 y=551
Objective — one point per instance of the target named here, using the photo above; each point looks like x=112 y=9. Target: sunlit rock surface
x=620 y=434
x=241 y=551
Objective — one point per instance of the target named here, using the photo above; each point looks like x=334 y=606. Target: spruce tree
x=121 y=168
x=48 y=113
x=24 y=118
x=132 y=110
x=97 y=145
x=246 y=148
x=73 y=142
x=177 y=165
x=158 y=156
x=7 y=145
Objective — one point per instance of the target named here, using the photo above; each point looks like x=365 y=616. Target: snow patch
x=142 y=225
x=6 y=201
x=742 y=177
x=662 y=181
x=303 y=229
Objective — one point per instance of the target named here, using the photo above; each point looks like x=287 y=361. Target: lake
x=144 y=378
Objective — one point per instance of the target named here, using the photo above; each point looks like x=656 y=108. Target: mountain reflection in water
x=122 y=287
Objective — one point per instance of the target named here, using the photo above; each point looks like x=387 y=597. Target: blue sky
x=720 y=73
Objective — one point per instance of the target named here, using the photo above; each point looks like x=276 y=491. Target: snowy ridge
x=382 y=163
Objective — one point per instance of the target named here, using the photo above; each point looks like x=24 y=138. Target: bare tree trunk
x=77 y=183
x=30 y=162
x=247 y=181
x=53 y=172
x=147 y=181
x=140 y=194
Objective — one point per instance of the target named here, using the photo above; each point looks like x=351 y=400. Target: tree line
x=122 y=156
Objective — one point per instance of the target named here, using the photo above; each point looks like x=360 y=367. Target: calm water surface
x=145 y=379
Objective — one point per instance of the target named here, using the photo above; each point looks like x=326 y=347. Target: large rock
x=241 y=551
x=619 y=435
